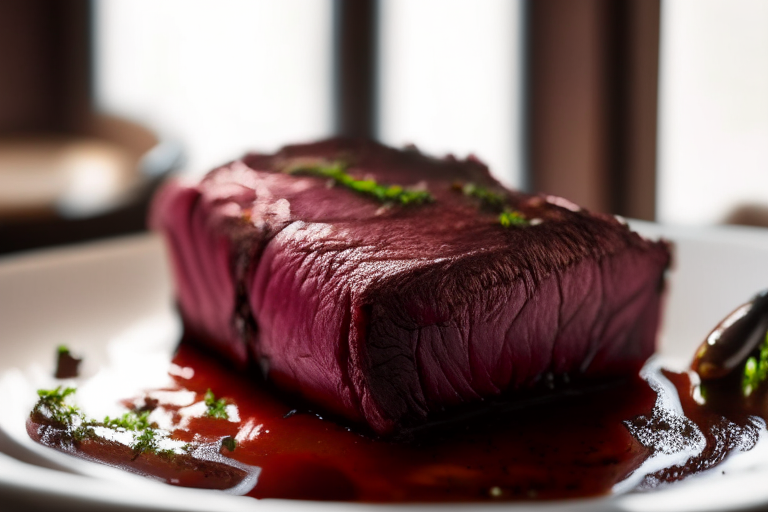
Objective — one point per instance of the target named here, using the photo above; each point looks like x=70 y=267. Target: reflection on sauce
x=634 y=435
x=684 y=436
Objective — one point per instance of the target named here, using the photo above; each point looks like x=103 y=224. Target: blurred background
x=651 y=109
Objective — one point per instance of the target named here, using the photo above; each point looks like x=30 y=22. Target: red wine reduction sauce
x=634 y=435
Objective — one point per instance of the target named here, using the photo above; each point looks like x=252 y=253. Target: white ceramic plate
x=113 y=300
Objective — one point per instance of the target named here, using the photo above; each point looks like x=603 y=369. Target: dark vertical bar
x=526 y=111
x=74 y=62
x=617 y=109
x=592 y=96
x=44 y=64
x=27 y=81
x=566 y=113
x=637 y=164
x=355 y=67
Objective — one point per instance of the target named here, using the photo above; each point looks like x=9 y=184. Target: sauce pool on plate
x=219 y=429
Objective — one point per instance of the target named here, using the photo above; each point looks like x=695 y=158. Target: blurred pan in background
x=67 y=173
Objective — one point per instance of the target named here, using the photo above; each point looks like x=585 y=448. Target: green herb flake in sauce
x=217 y=408
x=167 y=453
x=53 y=403
x=131 y=420
x=756 y=369
x=146 y=442
x=230 y=443
x=336 y=171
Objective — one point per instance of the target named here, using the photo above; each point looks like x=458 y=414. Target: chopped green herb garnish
x=167 y=453
x=145 y=442
x=56 y=396
x=217 y=408
x=84 y=430
x=129 y=421
x=493 y=201
x=511 y=217
x=53 y=404
x=336 y=171
x=53 y=401
x=488 y=198
x=756 y=369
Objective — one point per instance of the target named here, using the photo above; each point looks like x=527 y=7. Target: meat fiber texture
x=387 y=314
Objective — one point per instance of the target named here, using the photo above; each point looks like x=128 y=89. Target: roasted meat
x=387 y=308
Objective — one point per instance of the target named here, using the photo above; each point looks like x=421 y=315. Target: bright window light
x=450 y=79
x=223 y=77
x=713 y=140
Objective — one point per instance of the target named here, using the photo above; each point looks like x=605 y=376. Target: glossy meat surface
x=387 y=314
